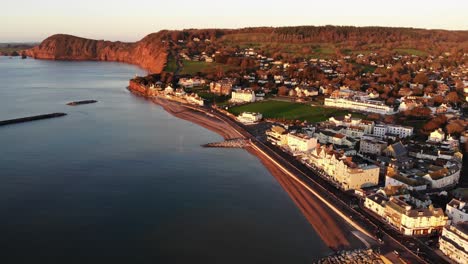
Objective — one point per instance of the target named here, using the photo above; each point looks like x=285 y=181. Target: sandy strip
x=335 y=233
x=199 y=118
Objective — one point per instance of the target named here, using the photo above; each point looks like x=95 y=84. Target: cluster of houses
x=383 y=162
x=356 y=154
x=179 y=94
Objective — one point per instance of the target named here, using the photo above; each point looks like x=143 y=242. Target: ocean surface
x=122 y=181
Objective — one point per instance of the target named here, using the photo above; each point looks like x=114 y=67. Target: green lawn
x=213 y=97
x=291 y=111
x=171 y=65
x=193 y=67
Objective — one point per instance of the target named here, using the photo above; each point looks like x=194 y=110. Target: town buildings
x=243 y=96
x=342 y=170
x=352 y=100
x=443 y=177
x=249 y=118
x=372 y=146
x=383 y=131
x=277 y=135
x=191 y=82
x=412 y=221
x=335 y=138
x=457 y=211
x=454 y=242
x=436 y=136
x=349 y=121
x=222 y=87
x=301 y=142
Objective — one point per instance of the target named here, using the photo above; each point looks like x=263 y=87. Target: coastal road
x=304 y=185
x=309 y=179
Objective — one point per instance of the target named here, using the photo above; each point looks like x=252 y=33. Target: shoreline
x=335 y=233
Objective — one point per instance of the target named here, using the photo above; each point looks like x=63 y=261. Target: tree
x=435 y=123
x=455 y=127
x=389 y=119
x=452 y=97
x=421 y=78
x=283 y=91
x=438 y=99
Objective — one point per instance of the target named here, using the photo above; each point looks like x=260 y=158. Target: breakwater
x=82 y=102
x=30 y=118
x=232 y=143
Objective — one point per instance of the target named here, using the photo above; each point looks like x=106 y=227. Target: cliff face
x=150 y=53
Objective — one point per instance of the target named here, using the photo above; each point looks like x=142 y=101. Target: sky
x=34 y=20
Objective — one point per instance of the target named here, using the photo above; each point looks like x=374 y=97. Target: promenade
x=334 y=215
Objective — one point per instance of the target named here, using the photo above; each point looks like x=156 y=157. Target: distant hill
x=305 y=41
x=14 y=49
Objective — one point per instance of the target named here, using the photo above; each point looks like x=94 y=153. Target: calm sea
x=122 y=181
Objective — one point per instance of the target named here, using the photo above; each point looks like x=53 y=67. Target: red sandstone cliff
x=149 y=53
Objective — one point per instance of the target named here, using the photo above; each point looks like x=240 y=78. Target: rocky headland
x=149 y=53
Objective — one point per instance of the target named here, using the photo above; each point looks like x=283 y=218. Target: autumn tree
x=452 y=97
x=283 y=91
x=421 y=78
x=455 y=127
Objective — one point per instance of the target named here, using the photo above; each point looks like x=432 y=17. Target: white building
x=243 y=96
x=372 y=146
x=454 y=242
x=277 y=135
x=437 y=136
x=412 y=221
x=352 y=100
x=343 y=171
x=410 y=182
x=301 y=142
x=194 y=99
x=457 y=211
x=382 y=130
x=191 y=82
x=348 y=121
x=443 y=177
x=249 y=118
x=376 y=203
x=331 y=137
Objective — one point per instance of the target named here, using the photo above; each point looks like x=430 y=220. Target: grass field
x=171 y=65
x=291 y=111
x=193 y=67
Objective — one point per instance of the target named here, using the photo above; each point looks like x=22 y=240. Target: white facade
x=454 y=242
x=412 y=221
x=330 y=137
x=301 y=143
x=401 y=131
x=195 y=99
x=243 y=96
x=360 y=105
x=277 y=135
x=249 y=118
x=348 y=121
x=437 y=136
x=341 y=169
x=376 y=203
x=372 y=146
x=191 y=82
x=457 y=211
x=409 y=183
x=445 y=177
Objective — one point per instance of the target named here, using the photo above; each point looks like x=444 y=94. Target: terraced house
x=342 y=170
x=454 y=242
x=412 y=221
